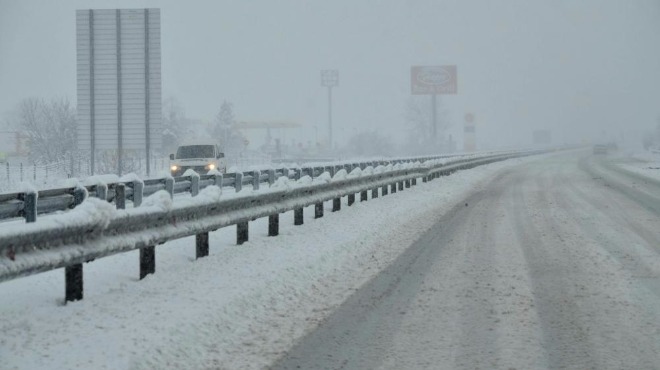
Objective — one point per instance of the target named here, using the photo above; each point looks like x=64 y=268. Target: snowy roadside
x=241 y=307
x=642 y=163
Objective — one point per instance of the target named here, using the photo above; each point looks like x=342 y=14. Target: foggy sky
x=585 y=69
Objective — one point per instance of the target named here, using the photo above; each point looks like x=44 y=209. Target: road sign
x=119 y=81
x=433 y=80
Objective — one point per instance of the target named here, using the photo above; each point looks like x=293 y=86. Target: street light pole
x=330 y=78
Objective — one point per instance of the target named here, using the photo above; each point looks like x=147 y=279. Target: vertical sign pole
x=330 y=78
x=434 y=127
x=330 y=116
x=147 y=117
x=92 y=113
x=120 y=147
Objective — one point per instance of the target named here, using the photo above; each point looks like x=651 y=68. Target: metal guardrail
x=79 y=236
x=13 y=205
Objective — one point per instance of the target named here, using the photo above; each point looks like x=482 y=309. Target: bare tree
x=224 y=130
x=418 y=122
x=50 y=127
x=174 y=124
x=370 y=143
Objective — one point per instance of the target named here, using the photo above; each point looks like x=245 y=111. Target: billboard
x=433 y=80
x=119 y=80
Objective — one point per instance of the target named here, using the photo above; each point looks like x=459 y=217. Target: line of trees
x=51 y=129
x=49 y=126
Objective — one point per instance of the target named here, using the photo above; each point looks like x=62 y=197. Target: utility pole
x=434 y=118
x=330 y=79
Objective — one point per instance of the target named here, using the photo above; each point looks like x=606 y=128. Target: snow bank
x=160 y=201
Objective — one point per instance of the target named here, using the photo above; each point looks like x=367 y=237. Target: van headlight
x=210 y=166
x=174 y=167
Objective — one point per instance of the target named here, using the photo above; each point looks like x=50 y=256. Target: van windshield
x=195 y=151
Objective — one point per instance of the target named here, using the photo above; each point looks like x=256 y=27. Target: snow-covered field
x=241 y=307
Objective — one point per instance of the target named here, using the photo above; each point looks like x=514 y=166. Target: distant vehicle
x=201 y=158
x=600 y=149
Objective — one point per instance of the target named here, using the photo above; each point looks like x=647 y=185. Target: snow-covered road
x=552 y=264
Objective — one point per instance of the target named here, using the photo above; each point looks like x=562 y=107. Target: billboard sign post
x=433 y=80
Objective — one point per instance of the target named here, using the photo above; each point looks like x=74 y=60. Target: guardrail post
x=147 y=261
x=73 y=283
x=217 y=180
x=336 y=204
x=271 y=177
x=298 y=173
x=73 y=275
x=120 y=196
x=374 y=193
x=102 y=191
x=78 y=196
x=298 y=218
x=274 y=225
x=30 y=206
x=364 y=196
x=400 y=185
x=414 y=181
x=351 y=199
x=148 y=254
x=242 y=232
x=318 y=210
x=407 y=183
x=256 y=177
x=384 y=190
x=201 y=239
x=169 y=186
x=138 y=193
x=285 y=173
x=238 y=183
x=201 y=245
x=194 y=185
x=393 y=188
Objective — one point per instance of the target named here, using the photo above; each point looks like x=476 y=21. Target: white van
x=201 y=158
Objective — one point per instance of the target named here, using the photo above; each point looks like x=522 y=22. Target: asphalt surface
x=554 y=264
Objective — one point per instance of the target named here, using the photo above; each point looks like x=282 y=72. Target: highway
x=555 y=264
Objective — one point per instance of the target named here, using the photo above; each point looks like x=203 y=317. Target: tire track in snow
x=590 y=317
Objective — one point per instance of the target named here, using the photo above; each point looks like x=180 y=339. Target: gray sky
x=582 y=68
